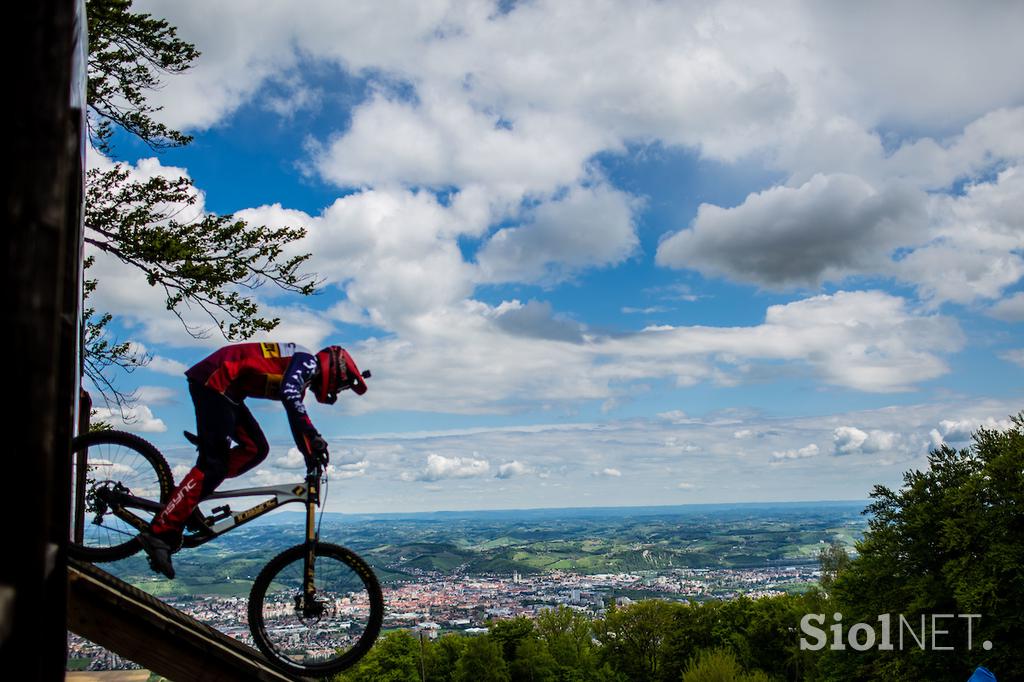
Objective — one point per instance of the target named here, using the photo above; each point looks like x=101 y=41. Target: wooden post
x=42 y=220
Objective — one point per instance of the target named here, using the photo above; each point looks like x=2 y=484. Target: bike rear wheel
x=110 y=470
x=332 y=636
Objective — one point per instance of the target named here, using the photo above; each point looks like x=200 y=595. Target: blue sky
x=612 y=253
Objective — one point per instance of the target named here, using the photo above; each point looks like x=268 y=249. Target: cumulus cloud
x=380 y=247
x=828 y=227
x=850 y=440
x=952 y=247
x=1010 y=309
x=589 y=226
x=348 y=470
x=537 y=319
x=609 y=472
x=864 y=340
x=163 y=365
x=293 y=459
x=439 y=467
x=975 y=245
x=156 y=363
x=868 y=341
x=506 y=111
x=512 y=469
x=654 y=455
x=137 y=418
x=960 y=431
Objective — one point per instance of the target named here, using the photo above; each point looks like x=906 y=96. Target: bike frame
x=305 y=492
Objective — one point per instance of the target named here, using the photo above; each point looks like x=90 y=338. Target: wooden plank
x=141 y=628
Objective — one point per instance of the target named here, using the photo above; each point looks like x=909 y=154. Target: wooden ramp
x=141 y=628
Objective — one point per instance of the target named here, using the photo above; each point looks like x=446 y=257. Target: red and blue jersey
x=275 y=371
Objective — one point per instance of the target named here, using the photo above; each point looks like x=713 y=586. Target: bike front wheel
x=118 y=481
x=328 y=635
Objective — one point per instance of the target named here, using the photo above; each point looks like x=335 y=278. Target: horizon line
x=594 y=508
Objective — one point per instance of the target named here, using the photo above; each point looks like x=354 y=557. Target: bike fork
x=309 y=562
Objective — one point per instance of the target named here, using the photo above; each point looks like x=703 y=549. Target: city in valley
x=435 y=577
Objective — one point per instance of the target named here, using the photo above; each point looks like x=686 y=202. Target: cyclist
x=219 y=386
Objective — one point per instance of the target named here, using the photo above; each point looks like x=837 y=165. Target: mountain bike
x=316 y=608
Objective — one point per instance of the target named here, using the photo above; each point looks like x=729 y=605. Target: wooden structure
x=140 y=627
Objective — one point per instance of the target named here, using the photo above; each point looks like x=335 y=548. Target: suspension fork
x=309 y=561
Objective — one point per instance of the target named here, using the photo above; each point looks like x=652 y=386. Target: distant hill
x=723 y=510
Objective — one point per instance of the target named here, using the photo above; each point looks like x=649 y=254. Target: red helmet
x=338 y=371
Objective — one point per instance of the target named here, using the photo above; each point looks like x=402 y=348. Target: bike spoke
x=122 y=484
x=325 y=632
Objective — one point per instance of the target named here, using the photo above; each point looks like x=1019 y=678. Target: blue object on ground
x=982 y=674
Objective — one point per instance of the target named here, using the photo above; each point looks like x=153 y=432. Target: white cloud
x=537 y=319
x=506 y=111
x=293 y=459
x=869 y=341
x=266 y=476
x=960 y=431
x=609 y=472
x=654 y=455
x=850 y=440
x=439 y=467
x=976 y=240
x=156 y=395
x=163 y=365
x=810 y=450
x=828 y=227
x=292 y=97
x=863 y=340
x=511 y=469
x=349 y=470
x=1010 y=309
x=137 y=418
x=589 y=226
x=1015 y=355
x=156 y=363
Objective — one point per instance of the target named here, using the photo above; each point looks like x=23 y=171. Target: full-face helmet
x=337 y=372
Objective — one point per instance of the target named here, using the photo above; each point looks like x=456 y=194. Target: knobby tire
x=115 y=457
x=324 y=645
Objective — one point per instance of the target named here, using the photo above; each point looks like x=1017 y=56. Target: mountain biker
x=219 y=386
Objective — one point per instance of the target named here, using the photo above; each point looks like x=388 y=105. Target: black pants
x=219 y=421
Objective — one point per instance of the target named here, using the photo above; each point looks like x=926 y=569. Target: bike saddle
x=191 y=438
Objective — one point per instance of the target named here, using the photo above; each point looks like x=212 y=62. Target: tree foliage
x=197 y=259
x=833 y=560
x=394 y=658
x=129 y=53
x=948 y=542
x=482 y=661
x=719 y=665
